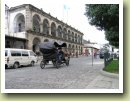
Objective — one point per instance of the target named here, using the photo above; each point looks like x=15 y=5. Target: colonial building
x=90 y=47
x=26 y=26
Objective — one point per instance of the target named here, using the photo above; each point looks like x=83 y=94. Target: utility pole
x=92 y=56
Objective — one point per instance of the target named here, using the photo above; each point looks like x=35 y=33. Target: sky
x=70 y=12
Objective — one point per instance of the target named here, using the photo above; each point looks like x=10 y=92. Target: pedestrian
x=72 y=54
x=61 y=55
x=95 y=55
x=76 y=54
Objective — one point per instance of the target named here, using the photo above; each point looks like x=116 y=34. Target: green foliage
x=105 y=17
x=113 y=67
x=113 y=37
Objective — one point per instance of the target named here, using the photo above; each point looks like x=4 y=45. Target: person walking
x=76 y=54
x=95 y=55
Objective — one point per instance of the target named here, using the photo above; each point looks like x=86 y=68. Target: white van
x=17 y=57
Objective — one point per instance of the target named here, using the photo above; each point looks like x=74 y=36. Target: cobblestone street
x=80 y=74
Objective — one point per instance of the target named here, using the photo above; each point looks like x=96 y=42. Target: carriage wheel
x=42 y=64
x=67 y=62
x=57 y=64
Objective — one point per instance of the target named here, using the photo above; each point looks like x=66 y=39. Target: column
x=28 y=19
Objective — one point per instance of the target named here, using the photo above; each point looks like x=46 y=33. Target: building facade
x=90 y=47
x=26 y=26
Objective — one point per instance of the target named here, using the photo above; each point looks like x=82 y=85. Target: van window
x=25 y=53
x=6 y=53
x=32 y=53
x=15 y=53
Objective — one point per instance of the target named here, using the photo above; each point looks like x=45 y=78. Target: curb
x=112 y=75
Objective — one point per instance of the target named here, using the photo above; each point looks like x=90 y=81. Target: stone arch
x=72 y=36
x=75 y=37
x=76 y=47
x=79 y=47
x=69 y=48
x=19 y=23
x=45 y=26
x=53 y=29
x=65 y=48
x=79 y=50
x=78 y=39
x=73 y=49
x=36 y=23
x=36 y=42
x=59 y=31
x=45 y=40
x=64 y=33
x=69 y=35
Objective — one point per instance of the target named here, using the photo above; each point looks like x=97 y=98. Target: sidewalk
x=105 y=81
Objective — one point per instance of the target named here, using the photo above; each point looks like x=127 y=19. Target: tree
x=105 y=17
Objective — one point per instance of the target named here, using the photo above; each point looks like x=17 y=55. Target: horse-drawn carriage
x=52 y=51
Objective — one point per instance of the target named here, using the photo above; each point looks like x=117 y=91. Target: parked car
x=17 y=57
x=101 y=55
x=102 y=51
x=117 y=54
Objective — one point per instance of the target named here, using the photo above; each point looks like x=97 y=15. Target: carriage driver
x=61 y=55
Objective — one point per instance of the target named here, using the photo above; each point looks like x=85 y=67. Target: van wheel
x=32 y=63
x=16 y=65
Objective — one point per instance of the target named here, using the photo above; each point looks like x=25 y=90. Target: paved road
x=80 y=74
